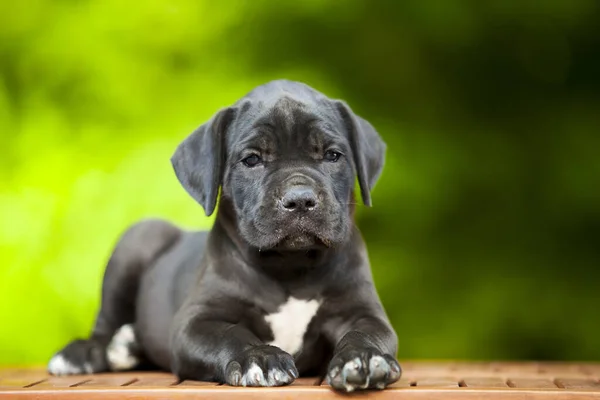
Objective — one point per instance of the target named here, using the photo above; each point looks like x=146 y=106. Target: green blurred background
x=485 y=231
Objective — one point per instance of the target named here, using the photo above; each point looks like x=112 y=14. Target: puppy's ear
x=199 y=160
x=368 y=149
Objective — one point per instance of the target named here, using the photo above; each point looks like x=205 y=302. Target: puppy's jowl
x=281 y=286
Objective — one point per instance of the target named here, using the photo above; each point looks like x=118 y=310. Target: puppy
x=281 y=286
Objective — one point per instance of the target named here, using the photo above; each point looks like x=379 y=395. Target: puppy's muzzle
x=299 y=199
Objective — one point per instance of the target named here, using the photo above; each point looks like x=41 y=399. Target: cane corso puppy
x=281 y=285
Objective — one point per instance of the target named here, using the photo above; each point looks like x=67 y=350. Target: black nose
x=299 y=198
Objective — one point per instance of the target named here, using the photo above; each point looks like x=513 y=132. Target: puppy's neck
x=284 y=264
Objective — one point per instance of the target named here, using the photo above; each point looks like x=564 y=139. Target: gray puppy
x=281 y=286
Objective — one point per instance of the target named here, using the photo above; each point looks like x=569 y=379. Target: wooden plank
x=531 y=383
x=306 y=382
x=560 y=369
x=534 y=370
x=492 y=382
x=21 y=377
x=161 y=381
x=403 y=382
x=14 y=383
x=500 y=381
x=436 y=382
x=12 y=372
x=415 y=369
x=312 y=393
x=466 y=367
x=590 y=369
x=108 y=381
x=195 y=384
x=577 y=383
x=515 y=368
x=62 y=381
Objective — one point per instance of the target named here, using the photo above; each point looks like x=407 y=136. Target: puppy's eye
x=332 y=156
x=252 y=160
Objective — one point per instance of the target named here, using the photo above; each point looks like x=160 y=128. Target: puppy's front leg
x=364 y=356
x=210 y=350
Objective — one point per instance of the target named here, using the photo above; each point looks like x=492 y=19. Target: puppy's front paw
x=79 y=357
x=353 y=369
x=262 y=366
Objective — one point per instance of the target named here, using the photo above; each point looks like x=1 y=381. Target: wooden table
x=421 y=380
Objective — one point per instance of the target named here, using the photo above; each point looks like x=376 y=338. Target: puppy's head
x=286 y=157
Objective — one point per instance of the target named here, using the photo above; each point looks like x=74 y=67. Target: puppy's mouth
x=301 y=241
x=293 y=237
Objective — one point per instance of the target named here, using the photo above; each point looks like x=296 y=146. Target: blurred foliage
x=485 y=230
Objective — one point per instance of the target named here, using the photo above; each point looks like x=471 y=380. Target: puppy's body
x=281 y=285
x=245 y=295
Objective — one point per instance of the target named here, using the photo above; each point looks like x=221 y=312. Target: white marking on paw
x=352 y=367
x=254 y=376
x=59 y=365
x=277 y=377
x=378 y=365
x=376 y=362
x=118 y=352
x=379 y=371
x=290 y=322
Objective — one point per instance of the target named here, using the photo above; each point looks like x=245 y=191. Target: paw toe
x=395 y=370
x=357 y=370
x=278 y=377
x=254 y=376
x=262 y=366
x=234 y=374
x=378 y=369
x=355 y=374
x=79 y=357
x=59 y=365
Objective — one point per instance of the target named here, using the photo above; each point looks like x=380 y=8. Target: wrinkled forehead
x=286 y=122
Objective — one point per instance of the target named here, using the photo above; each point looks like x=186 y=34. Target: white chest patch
x=289 y=323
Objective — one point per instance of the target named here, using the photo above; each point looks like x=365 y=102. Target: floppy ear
x=368 y=150
x=199 y=160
